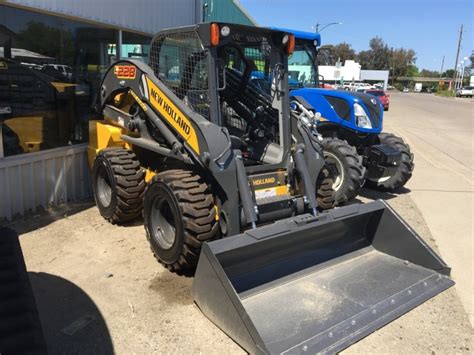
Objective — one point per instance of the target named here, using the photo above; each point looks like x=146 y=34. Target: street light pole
x=442 y=67
x=316 y=27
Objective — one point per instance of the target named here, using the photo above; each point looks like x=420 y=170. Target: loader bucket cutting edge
x=317 y=284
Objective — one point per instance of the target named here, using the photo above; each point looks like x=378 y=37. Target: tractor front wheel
x=346 y=167
x=119 y=183
x=179 y=217
x=404 y=171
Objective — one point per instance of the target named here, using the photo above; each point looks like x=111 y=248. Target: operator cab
x=248 y=70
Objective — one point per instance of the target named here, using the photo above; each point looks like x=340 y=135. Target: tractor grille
x=179 y=60
x=20 y=328
x=341 y=107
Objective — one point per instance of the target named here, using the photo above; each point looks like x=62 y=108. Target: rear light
x=289 y=42
x=291 y=45
x=214 y=34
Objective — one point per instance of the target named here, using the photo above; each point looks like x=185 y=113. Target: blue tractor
x=350 y=126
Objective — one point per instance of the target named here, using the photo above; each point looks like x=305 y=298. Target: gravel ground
x=99 y=290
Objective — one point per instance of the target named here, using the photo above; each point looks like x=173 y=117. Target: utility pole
x=442 y=67
x=459 y=48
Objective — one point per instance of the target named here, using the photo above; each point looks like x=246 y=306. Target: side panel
x=102 y=135
x=172 y=115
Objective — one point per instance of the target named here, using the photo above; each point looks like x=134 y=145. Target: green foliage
x=377 y=57
x=429 y=73
x=448 y=73
x=446 y=93
x=342 y=51
x=399 y=86
x=49 y=41
x=381 y=57
x=412 y=70
x=400 y=60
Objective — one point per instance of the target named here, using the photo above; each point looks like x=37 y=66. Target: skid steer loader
x=230 y=180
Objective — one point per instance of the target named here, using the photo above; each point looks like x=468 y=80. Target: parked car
x=381 y=95
x=64 y=70
x=466 y=91
x=406 y=90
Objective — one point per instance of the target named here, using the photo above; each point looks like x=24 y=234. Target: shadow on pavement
x=72 y=323
x=376 y=195
x=44 y=217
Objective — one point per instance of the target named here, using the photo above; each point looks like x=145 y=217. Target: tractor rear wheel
x=346 y=166
x=405 y=169
x=179 y=217
x=119 y=184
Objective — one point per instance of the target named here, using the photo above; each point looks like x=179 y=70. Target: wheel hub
x=163 y=223
x=337 y=169
x=104 y=188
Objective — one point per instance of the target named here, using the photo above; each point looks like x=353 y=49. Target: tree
x=448 y=73
x=343 y=51
x=364 y=58
x=412 y=70
x=377 y=57
x=400 y=60
x=49 y=41
x=429 y=73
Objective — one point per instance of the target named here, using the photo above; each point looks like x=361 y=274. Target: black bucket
x=317 y=284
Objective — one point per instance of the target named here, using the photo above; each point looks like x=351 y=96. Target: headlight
x=362 y=120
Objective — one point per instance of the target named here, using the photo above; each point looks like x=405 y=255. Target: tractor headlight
x=362 y=120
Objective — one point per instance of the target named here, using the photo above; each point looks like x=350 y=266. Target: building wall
x=350 y=71
x=43 y=179
x=226 y=11
x=53 y=54
x=44 y=111
x=146 y=16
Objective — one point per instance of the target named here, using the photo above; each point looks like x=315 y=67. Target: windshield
x=301 y=70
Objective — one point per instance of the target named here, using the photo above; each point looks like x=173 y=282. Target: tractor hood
x=337 y=106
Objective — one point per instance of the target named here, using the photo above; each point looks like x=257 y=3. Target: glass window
x=50 y=72
x=135 y=46
x=300 y=69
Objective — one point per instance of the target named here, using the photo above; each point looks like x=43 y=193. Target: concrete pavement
x=440 y=133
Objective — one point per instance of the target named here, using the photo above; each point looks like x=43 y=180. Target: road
x=440 y=133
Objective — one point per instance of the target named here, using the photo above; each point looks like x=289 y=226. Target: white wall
x=350 y=71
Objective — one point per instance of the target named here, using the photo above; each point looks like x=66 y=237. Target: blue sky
x=430 y=27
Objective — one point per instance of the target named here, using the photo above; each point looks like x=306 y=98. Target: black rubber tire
x=325 y=194
x=120 y=169
x=351 y=164
x=186 y=199
x=405 y=169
